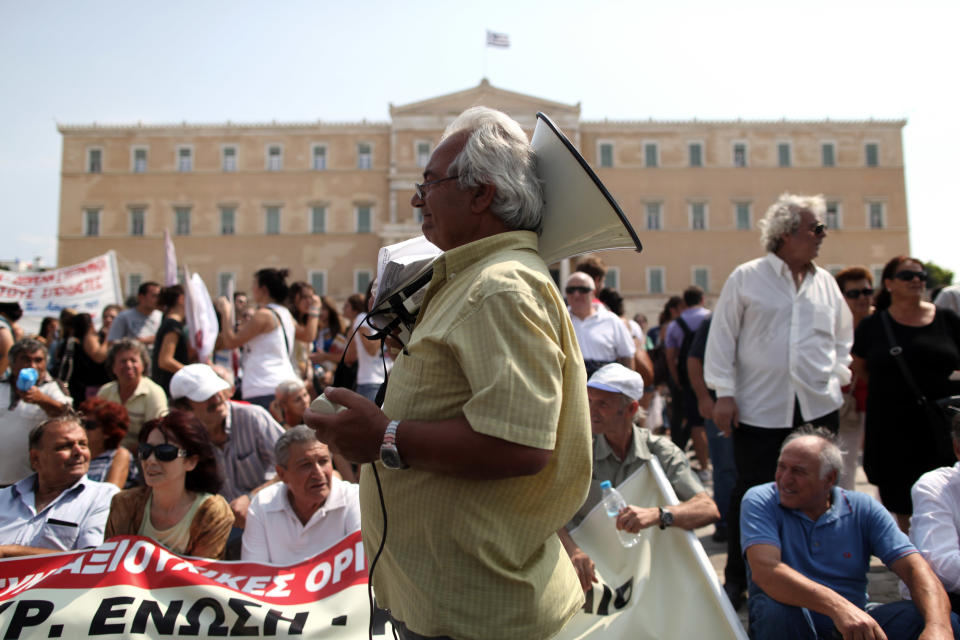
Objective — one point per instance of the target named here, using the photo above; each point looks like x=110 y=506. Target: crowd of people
x=120 y=430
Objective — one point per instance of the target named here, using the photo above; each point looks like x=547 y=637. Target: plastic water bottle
x=613 y=502
x=27 y=378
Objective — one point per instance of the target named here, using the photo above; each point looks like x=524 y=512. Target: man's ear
x=482 y=198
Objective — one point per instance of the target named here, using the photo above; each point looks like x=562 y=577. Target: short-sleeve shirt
x=607 y=466
x=147 y=402
x=133 y=324
x=75 y=519
x=694 y=317
x=15 y=426
x=835 y=550
x=247 y=458
x=480 y=558
x=602 y=336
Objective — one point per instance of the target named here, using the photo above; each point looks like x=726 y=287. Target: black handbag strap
x=897 y=352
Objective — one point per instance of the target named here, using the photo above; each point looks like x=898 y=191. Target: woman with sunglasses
x=856 y=285
x=106 y=424
x=178 y=507
x=901 y=442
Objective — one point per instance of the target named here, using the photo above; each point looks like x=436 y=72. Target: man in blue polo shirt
x=808 y=545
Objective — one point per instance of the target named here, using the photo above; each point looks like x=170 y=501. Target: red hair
x=112 y=418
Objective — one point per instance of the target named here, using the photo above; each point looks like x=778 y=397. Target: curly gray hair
x=497 y=152
x=783 y=217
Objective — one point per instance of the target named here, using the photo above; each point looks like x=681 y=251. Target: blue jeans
x=369 y=391
x=724 y=469
x=771 y=620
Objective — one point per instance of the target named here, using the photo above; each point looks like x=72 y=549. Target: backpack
x=688 y=335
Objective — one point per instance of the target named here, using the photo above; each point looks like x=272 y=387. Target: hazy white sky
x=78 y=61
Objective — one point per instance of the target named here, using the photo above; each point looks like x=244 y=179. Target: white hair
x=288 y=388
x=783 y=217
x=831 y=457
x=497 y=152
x=300 y=434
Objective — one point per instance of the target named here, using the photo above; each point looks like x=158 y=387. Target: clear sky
x=108 y=61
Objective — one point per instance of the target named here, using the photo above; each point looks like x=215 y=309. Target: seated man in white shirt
x=57 y=508
x=307 y=512
x=935 y=525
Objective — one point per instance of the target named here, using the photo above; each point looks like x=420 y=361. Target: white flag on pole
x=169 y=260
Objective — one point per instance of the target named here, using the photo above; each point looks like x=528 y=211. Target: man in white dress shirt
x=602 y=336
x=777 y=354
x=307 y=512
x=935 y=524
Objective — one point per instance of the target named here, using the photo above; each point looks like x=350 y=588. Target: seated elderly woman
x=106 y=424
x=290 y=402
x=129 y=365
x=178 y=507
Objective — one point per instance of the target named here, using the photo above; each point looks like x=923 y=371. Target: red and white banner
x=86 y=287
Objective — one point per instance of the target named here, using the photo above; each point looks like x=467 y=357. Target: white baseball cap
x=197 y=382
x=617 y=378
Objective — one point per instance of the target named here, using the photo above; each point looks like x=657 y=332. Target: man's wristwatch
x=666 y=518
x=389 y=455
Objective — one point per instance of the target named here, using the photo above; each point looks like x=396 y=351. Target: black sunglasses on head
x=164 y=452
x=853 y=294
x=907 y=275
x=572 y=290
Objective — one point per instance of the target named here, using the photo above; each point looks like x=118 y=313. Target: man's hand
x=705 y=406
x=726 y=415
x=239 y=507
x=33 y=395
x=854 y=623
x=585 y=569
x=634 y=519
x=356 y=433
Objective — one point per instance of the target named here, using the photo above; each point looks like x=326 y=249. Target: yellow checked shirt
x=480 y=558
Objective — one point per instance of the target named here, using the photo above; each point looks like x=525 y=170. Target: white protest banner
x=86 y=287
x=131 y=586
x=200 y=314
x=663 y=587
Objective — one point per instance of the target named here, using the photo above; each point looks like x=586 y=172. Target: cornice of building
x=663 y=124
x=99 y=128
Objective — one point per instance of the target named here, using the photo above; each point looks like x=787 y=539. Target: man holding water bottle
x=27 y=398
x=620 y=448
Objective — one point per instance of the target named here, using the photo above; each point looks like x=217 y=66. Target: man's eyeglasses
x=819 y=229
x=419 y=186
x=854 y=294
x=907 y=275
x=164 y=452
x=572 y=290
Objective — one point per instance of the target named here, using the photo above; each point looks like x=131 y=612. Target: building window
x=139 y=159
x=224 y=282
x=91 y=222
x=134 y=280
x=364 y=156
x=94 y=160
x=656 y=279
x=423 y=154
x=742 y=212
x=612 y=279
x=698 y=216
x=606 y=154
x=418 y=215
x=182 y=221
x=739 y=154
x=654 y=220
x=701 y=277
x=783 y=154
x=228 y=221
x=274 y=158
x=137 y=220
x=363 y=218
x=318 y=219
x=273 y=220
x=651 y=154
x=318 y=280
x=828 y=154
x=875 y=215
x=877 y=271
x=319 y=157
x=184 y=159
x=228 y=161
x=872 y=152
x=361 y=280
x=696 y=154
x=833 y=215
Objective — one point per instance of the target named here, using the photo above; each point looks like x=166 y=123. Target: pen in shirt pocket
x=62 y=523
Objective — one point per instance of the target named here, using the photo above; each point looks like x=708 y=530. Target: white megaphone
x=579 y=216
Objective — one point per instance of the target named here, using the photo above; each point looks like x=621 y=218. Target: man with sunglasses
x=777 y=354
x=57 y=508
x=482 y=448
x=602 y=336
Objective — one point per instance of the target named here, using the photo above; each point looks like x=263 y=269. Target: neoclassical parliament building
x=320 y=198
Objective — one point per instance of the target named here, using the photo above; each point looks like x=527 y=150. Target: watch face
x=667 y=518
x=390 y=457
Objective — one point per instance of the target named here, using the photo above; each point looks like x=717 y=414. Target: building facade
x=321 y=198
